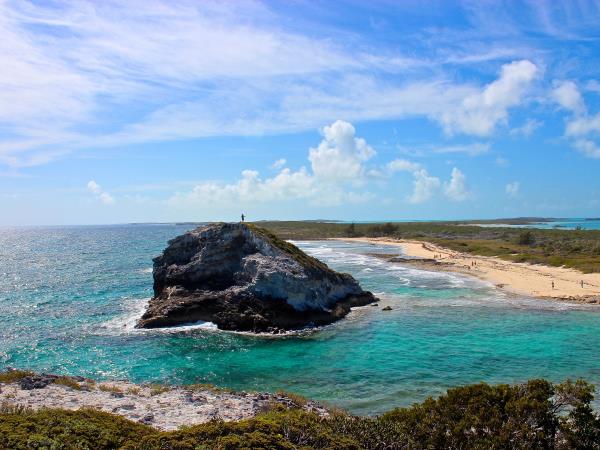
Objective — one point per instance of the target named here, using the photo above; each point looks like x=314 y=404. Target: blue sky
x=115 y=112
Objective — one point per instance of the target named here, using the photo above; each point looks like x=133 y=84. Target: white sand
x=521 y=278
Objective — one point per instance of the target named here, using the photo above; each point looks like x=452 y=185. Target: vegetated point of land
x=577 y=249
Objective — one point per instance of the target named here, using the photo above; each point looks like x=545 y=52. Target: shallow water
x=69 y=297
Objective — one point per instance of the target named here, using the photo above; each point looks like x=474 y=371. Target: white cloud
x=479 y=113
x=588 y=148
x=424 y=186
x=336 y=162
x=478 y=148
x=567 y=95
x=340 y=155
x=97 y=190
x=94 y=187
x=593 y=86
x=527 y=129
x=192 y=71
x=279 y=164
x=402 y=165
x=502 y=162
x=512 y=189
x=456 y=188
x=581 y=124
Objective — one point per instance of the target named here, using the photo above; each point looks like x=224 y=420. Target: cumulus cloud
x=512 y=189
x=456 y=189
x=588 y=148
x=340 y=155
x=99 y=193
x=567 y=95
x=581 y=126
x=402 y=165
x=336 y=163
x=424 y=186
x=479 y=113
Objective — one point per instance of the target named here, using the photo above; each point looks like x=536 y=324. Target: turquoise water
x=562 y=224
x=69 y=297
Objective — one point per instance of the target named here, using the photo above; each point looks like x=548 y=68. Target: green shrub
x=534 y=415
x=13 y=376
x=526 y=238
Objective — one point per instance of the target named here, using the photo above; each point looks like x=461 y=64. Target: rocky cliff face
x=242 y=277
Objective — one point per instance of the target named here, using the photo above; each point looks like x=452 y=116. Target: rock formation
x=242 y=277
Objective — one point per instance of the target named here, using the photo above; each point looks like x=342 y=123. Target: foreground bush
x=536 y=415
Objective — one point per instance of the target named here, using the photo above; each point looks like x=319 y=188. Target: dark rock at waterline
x=36 y=381
x=242 y=277
x=387 y=308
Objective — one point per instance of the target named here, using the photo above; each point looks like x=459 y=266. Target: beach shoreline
x=540 y=281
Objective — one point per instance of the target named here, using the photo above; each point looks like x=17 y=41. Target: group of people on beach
x=581 y=282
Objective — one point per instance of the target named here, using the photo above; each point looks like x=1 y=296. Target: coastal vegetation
x=537 y=414
x=577 y=249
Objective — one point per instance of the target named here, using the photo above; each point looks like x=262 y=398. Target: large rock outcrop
x=242 y=277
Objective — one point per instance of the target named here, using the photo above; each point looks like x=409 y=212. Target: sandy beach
x=519 y=278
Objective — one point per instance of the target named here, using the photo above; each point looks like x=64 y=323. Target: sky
x=165 y=111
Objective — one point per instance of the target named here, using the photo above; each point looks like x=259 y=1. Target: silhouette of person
x=243 y=217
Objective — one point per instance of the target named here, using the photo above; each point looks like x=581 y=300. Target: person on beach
x=552 y=284
x=581 y=284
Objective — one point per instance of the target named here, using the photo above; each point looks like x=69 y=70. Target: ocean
x=69 y=297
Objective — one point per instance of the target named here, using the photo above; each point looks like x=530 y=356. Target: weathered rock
x=386 y=308
x=36 y=381
x=242 y=277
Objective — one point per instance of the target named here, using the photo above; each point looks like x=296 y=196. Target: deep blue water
x=69 y=297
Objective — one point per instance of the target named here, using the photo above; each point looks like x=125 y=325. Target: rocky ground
x=240 y=277
x=163 y=407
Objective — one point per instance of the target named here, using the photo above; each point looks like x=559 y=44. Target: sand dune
x=520 y=278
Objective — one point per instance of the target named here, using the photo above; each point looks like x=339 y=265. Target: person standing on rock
x=243 y=217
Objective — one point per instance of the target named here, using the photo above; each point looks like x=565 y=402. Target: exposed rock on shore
x=242 y=277
x=163 y=407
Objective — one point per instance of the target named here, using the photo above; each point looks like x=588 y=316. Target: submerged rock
x=242 y=277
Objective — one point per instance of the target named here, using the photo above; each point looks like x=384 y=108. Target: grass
x=134 y=390
x=68 y=382
x=209 y=387
x=577 y=249
x=537 y=414
x=157 y=389
x=110 y=388
x=287 y=247
x=296 y=398
x=14 y=376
